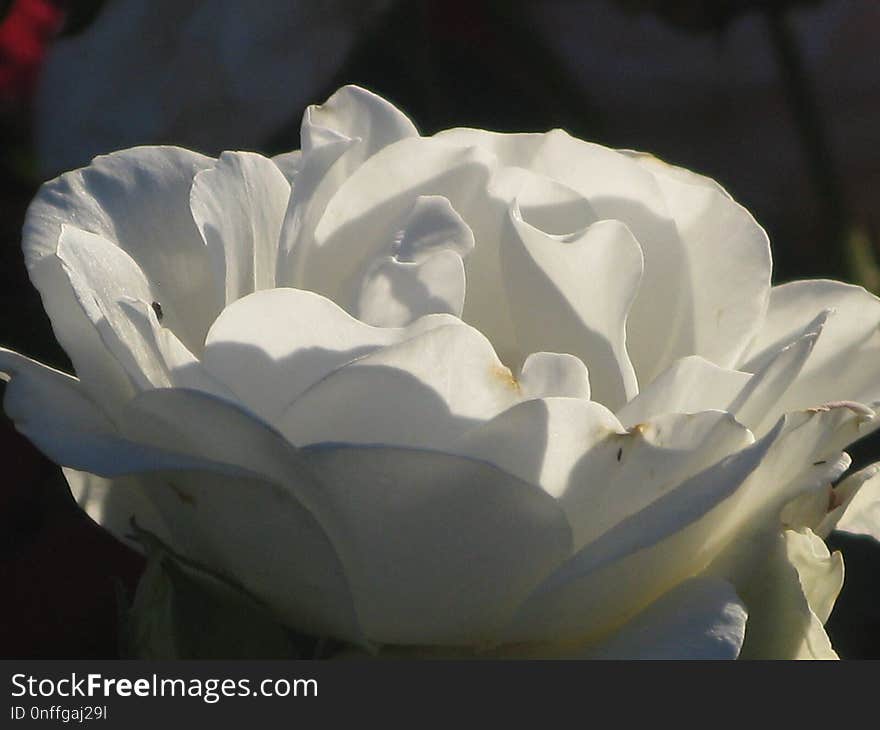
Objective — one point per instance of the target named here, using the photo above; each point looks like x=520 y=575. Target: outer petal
x=856 y=503
x=789 y=597
x=442 y=548
x=757 y=405
x=600 y=473
x=238 y=206
x=193 y=470
x=437 y=519
x=681 y=533
x=728 y=294
x=139 y=200
x=120 y=302
x=615 y=577
x=843 y=364
x=114 y=502
x=53 y=410
x=702 y=618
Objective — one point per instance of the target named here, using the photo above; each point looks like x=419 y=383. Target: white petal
x=422 y=271
x=601 y=474
x=858 y=497
x=541 y=439
x=702 y=618
x=579 y=296
x=818 y=508
x=139 y=200
x=238 y=206
x=689 y=385
x=796 y=576
x=116 y=297
x=289 y=163
x=394 y=293
x=726 y=263
x=843 y=364
x=552 y=374
x=57 y=415
x=195 y=470
x=337 y=138
x=258 y=488
x=663 y=168
x=355 y=113
x=820 y=572
x=270 y=347
x=424 y=391
x=113 y=503
x=616 y=188
x=756 y=406
x=262 y=538
x=625 y=473
x=442 y=548
x=614 y=578
x=308 y=198
x=368 y=209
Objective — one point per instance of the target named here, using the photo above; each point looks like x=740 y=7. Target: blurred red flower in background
x=25 y=33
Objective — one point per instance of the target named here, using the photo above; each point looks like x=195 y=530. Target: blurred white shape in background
x=204 y=74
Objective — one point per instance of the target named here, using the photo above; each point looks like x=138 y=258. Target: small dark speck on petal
x=619 y=453
x=819 y=463
x=157 y=308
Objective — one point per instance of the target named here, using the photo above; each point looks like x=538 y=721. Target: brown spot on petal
x=504 y=374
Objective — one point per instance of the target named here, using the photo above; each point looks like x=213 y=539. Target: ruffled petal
x=137 y=199
x=789 y=596
x=270 y=347
x=600 y=473
x=119 y=301
x=612 y=579
x=689 y=385
x=422 y=271
x=855 y=505
x=579 y=295
x=337 y=137
x=424 y=391
x=843 y=364
x=681 y=533
x=238 y=206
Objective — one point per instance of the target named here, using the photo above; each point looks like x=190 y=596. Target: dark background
x=779 y=101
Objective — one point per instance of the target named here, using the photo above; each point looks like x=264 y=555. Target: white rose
x=519 y=394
